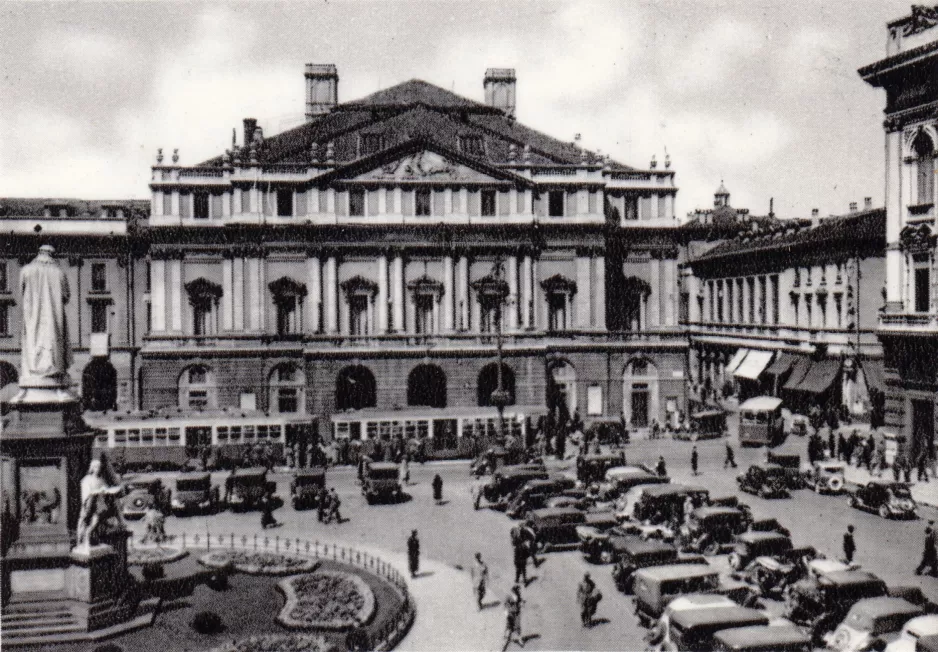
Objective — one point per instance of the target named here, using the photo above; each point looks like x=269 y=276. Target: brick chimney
x=853 y=207
x=322 y=88
x=250 y=124
x=867 y=203
x=499 y=85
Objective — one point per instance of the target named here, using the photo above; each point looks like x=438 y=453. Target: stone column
x=397 y=285
x=512 y=306
x=654 y=314
x=526 y=294
x=331 y=291
x=463 y=276
x=894 y=222
x=582 y=303
x=227 y=283
x=175 y=293
x=599 y=292
x=449 y=294
x=670 y=285
x=237 y=300
x=252 y=281
x=382 y=294
x=314 y=278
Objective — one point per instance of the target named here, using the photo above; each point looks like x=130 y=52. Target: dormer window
x=471 y=145
x=371 y=144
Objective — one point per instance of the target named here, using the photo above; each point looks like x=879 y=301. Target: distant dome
x=724 y=215
x=722 y=189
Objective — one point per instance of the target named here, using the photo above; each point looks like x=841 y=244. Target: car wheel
x=835 y=484
x=883 y=511
x=606 y=557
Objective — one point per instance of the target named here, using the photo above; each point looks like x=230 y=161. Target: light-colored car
x=912 y=632
x=869 y=620
x=660 y=634
x=826 y=477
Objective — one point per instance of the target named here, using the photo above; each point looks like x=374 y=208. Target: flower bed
x=332 y=600
x=154 y=555
x=278 y=643
x=259 y=563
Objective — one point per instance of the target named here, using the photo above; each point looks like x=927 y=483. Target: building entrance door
x=923 y=426
x=639 y=408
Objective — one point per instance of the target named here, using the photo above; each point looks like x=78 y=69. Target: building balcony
x=923 y=323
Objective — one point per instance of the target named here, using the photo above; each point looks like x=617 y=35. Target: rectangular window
x=200 y=205
x=98 y=277
x=222 y=433
x=751 y=289
x=424 y=313
x=488 y=203
x=822 y=309
x=775 y=306
x=594 y=400
x=248 y=432
x=99 y=310
x=555 y=200
x=794 y=307
x=557 y=311
x=287 y=315
x=217 y=211
x=839 y=307
x=235 y=433
x=167 y=203
x=422 y=201
x=371 y=144
x=807 y=276
x=356 y=202
x=373 y=202
x=730 y=291
x=120 y=436
x=763 y=301
x=285 y=202
x=358 y=315
x=174 y=435
x=288 y=399
x=922 y=282
x=809 y=308
x=4 y=319
x=797 y=282
x=471 y=145
x=719 y=301
x=198 y=398
x=4 y=279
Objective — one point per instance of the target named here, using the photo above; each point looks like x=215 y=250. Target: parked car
x=632 y=553
x=693 y=630
x=769 y=525
x=707 y=529
x=750 y=545
x=306 y=486
x=772 y=575
x=142 y=492
x=245 y=488
x=500 y=488
x=660 y=503
x=760 y=638
x=660 y=635
x=608 y=430
x=535 y=493
x=592 y=468
x=826 y=477
x=575 y=498
x=888 y=499
x=655 y=587
x=624 y=478
x=382 y=481
x=871 y=619
x=764 y=480
x=794 y=476
x=914 y=631
x=706 y=424
x=496 y=458
x=820 y=603
x=195 y=493
x=555 y=527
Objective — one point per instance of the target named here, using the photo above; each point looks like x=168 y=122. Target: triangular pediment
x=423 y=165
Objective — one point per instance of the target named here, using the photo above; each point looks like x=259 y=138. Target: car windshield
x=302 y=481
x=900 y=491
x=191 y=485
x=384 y=474
x=774 y=472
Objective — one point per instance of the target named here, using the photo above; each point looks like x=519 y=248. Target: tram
x=450 y=432
x=173 y=439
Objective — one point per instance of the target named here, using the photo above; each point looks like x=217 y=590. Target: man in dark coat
x=660 y=468
x=929 y=552
x=850 y=545
x=520 y=555
x=413 y=553
x=437 y=488
x=730 y=459
x=694 y=459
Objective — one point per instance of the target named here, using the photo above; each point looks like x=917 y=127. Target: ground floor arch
x=426 y=386
x=488 y=383
x=640 y=393
x=355 y=389
x=99 y=386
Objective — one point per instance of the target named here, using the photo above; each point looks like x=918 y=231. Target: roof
x=762 y=635
x=788 y=236
x=750 y=537
x=923 y=626
x=671 y=489
x=548 y=512
x=418 y=109
x=78 y=208
x=629 y=472
x=884 y=606
x=761 y=403
x=850 y=577
x=704 y=512
x=634 y=544
x=382 y=466
x=730 y=616
x=195 y=475
x=675 y=571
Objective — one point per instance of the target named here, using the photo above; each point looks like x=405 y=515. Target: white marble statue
x=98 y=504
x=46 y=354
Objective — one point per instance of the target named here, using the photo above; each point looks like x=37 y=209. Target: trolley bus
x=450 y=432
x=171 y=439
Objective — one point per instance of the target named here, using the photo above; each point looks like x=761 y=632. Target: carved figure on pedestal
x=99 y=507
x=46 y=354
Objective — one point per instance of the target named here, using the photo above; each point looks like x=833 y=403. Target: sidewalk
x=924 y=493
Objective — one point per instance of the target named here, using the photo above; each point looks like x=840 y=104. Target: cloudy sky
x=762 y=94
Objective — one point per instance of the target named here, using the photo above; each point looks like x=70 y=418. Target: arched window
x=99 y=386
x=286 y=389
x=197 y=388
x=488 y=383
x=355 y=389
x=288 y=299
x=426 y=385
x=924 y=150
x=203 y=298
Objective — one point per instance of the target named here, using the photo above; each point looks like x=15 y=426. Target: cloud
x=713 y=57
x=813 y=54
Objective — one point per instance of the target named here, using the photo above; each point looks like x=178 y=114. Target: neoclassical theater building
x=364 y=263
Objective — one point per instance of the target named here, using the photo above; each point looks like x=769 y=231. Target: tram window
x=159 y=435
x=222 y=433
x=248 y=432
x=173 y=435
x=341 y=430
x=423 y=429
x=384 y=430
x=371 y=429
x=133 y=436
x=410 y=429
x=146 y=436
x=275 y=432
x=120 y=436
x=235 y=433
x=100 y=440
x=262 y=432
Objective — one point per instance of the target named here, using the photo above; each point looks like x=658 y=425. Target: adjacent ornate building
x=908 y=328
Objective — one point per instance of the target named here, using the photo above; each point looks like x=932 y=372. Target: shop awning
x=819 y=378
x=800 y=370
x=736 y=360
x=875 y=374
x=783 y=362
x=754 y=364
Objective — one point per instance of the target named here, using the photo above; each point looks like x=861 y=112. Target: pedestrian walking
x=480 y=579
x=730 y=459
x=832 y=445
x=694 y=459
x=921 y=466
x=842 y=448
x=267 y=511
x=413 y=553
x=513 y=617
x=405 y=469
x=588 y=598
x=850 y=545
x=438 y=488
x=334 y=504
x=661 y=469
x=929 y=552
x=520 y=556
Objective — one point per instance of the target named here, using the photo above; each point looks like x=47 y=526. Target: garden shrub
x=207 y=622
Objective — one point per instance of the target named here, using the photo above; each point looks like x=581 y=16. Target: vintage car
x=759 y=638
x=534 y=494
x=888 y=499
x=659 y=636
x=914 y=631
x=142 y=492
x=592 y=468
x=792 y=466
x=660 y=503
x=500 y=488
x=871 y=619
x=611 y=545
x=306 y=486
x=821 y=602
x=498 y=457
x=195 y=493
x=705 y=424
x=624 y=478
x=656 y=586
x=772 y=574
x=556 y=527
x=769 y=525
x=750 y=545
x=633 y=553
x=576 y=498
x=764 y=480
x=382 y=481
x=608 y=430
x=693 y=629
x=709 y=528
x=826 y=476
x=245 y=488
